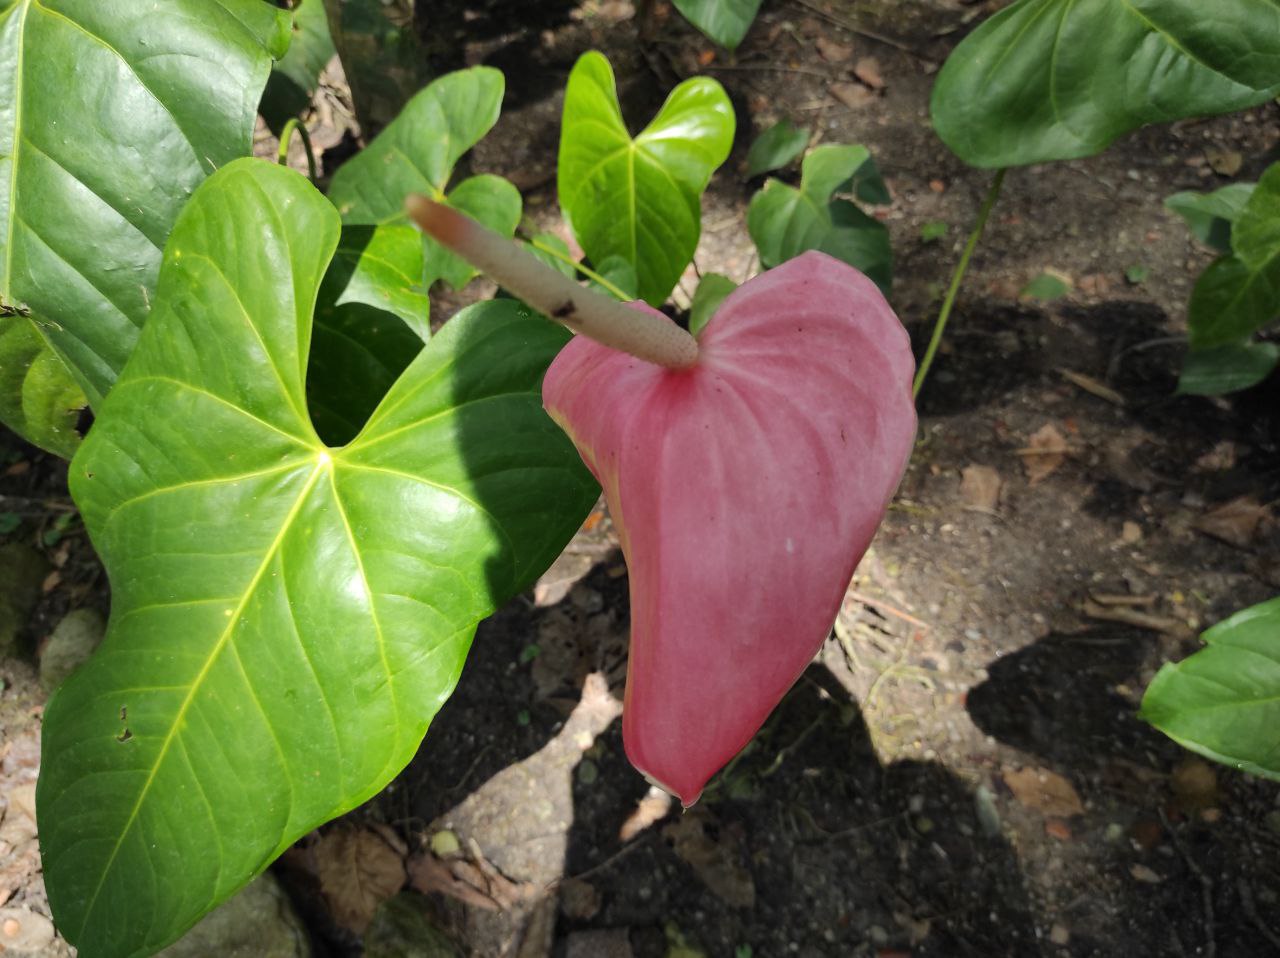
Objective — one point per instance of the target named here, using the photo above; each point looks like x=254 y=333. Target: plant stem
x=590 y=274
x=957 y=278
x=286 y=135
x=644 y=333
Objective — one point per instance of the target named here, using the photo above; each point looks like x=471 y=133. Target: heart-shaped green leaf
x=724 y=21
x=640 y=198
x=112 y=112
x=1224 y=701
x=711 y=292
x=1055 y=79
x=785 y=222
x=1240 y=294
x=775 y=148
x=287 y=617
x=1210 y=216
x=295 y=77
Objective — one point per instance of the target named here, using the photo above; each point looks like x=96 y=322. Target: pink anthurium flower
x=746 y=475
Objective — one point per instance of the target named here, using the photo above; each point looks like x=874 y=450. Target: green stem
x=591 y=274
x=286 y=135
x=956 y=279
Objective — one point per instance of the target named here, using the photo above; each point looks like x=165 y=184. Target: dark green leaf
x=382 y=57
x=491 y=200
x=775 y=148
x=1055 y=79
x=1256 y=235
x=621 y=276
x=1224 y=701
x=711 y=291
x=724 y=21
x=785 y=221
x=287 y=617
x=1226 y=369
x=1210 y=215
x=9 y=521
x=38 y=398
x=111 y=112
x=295 y=77
x=640 y=198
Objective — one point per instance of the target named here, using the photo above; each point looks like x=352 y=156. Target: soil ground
x=961 y=772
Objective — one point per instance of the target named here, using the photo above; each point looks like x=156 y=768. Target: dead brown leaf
x=1092 y=386
x=358 y=871
x=715 y=855
x=851 y=94
x=980 y=488
x=1234 y=523
x=833 y=52
x=1045 y=791
x=1224 y=162
x=473 y=881
x=1044 y=453
x=867 y=69
x=652 y=808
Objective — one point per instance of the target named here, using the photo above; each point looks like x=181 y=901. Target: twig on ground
x=1251 y=912
x=1206 y=885
x=882 y=606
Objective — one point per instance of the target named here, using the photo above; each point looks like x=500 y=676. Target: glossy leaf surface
x=1240 y=294
x=1224 y=701
x=1056 y=79
x=296 y=76
x=724 y=21
x=798 y=414
x=110 y=115
x=640 y=198
x=286 y=617
x=776 y=147
x=785 y=221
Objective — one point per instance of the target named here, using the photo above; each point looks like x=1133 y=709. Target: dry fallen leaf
x=1044 y=453
x=833 y=52
x=1045 y=791
x=867 y=69
x=358 y=871
x=852 y=94
x=1092 y=386
x=980 y=488
x=1224 y=162
x=1234 y=523
x=1144 y=874
x=653 y=807
x=714 y=855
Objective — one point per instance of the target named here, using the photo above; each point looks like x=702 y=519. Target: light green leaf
x=110 y=114
x=1055 y=79
x=1227 y=369
x=1255 y=237
x=382 y=266
x=640 y=199
x=775 y=148
x=418 y=150
x=1209 y=216
x=1224 y=701
x=38 y=398
x=711 y=291
x=621 y=277
x=553 y=251
x=491 y=200
x=785 y=222
x=1045 y=287
x=296 y=76
x=724 y=21
x=287 y=617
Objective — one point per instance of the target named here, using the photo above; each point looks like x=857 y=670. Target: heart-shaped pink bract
x=745 y=490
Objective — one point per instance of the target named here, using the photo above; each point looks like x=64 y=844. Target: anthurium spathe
x=746 y=483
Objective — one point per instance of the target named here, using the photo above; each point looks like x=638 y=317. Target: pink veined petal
x=745 y=490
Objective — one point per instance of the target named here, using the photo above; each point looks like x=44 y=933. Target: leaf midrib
x=6 y=294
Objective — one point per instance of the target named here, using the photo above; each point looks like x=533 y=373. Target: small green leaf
x=553 y=251
x=933 y=231
x=1231 y=301
x=640 y=198
x=724 y=21
x=785 y=221
x=711 y=291
x=620 y=275
x=491 y=200
x=1046 y=287
x=9 y=522
x=296 y=75
x=383 y=267
x=287 y=617
x=1056 y=79
x=1137 y=275
x=1256 y=235
x=775 y=148
x=1226 y=369
x=1209 y=216
x=57 y=529
x=529 y=653
x=1224 y=701
x=39 y=399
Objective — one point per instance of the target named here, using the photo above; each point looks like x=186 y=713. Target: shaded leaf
x=39 y=399
x=1045 y=791
x=358 y=871
x=1209 y=216
x=1224 y=701
x=776 y=147
x=94 y=175
x=553 y=251
x=1056 y=79
x=491 y=200
x=1234 y=522
x=640 y=198
x=383 y=267
x=711 y=291
x=715 y=854
x=724 y=21
x=281 y=634
x=1044 y=453
x=1047 y=286
x=620 y=274
x=1226 y=369
x=980 y=487
x=296 y=75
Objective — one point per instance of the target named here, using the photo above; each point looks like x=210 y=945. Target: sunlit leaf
x=295 y=78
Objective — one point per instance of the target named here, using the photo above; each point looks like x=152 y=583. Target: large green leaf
x=785 y=221
x=1240 y=294
x=1224 y=701
x=295 y=77
x=724 y=21
x=640 y=198
x=111 y=112
x=1055 y=79
x=286 y=617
